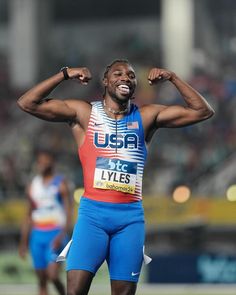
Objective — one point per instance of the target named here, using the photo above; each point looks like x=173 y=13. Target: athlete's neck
x=47 y=177
x=117 y=109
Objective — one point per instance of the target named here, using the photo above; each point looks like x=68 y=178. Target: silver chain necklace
x=114 y=112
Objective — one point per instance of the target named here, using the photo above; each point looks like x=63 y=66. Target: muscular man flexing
x=112 y=136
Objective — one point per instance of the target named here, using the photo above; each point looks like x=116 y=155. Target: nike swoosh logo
x=98 y=124
x=135 y=274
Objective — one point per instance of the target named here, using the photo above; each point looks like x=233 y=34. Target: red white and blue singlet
x=48 y=212
x=49 y=218
x=113 y=156
x=110 y=223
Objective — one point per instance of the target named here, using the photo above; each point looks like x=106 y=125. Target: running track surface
x=143 y=289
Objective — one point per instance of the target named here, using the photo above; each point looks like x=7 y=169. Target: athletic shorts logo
x=133 y=274
x=98 y=124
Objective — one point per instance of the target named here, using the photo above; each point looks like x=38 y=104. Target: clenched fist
x=157 y=74
x=83 y=75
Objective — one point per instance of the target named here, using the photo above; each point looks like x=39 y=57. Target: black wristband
x=65 y=73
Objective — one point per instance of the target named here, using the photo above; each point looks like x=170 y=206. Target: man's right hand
x=23 y=249
x=81 y=74
x=36 y=102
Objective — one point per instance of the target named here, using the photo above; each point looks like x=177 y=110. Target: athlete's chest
x=115 y=137
x=42 y=195
x=108 y=133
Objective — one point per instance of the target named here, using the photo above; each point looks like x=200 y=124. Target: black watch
x=65 y=73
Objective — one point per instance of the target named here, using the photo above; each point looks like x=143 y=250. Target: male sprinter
x=112 y=137
x=47 y=223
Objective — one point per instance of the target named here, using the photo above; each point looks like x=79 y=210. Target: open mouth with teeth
x=124 y=89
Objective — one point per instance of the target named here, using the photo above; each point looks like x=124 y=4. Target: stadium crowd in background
x=197 y=150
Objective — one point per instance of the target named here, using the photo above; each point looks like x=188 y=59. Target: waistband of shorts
x=43 y=230
x=138 y=204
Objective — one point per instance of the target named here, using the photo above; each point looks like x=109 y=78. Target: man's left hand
x=157 y=75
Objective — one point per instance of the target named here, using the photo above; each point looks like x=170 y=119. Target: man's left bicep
x=177 y=116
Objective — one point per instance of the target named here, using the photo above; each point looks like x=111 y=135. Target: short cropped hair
x=114 y=62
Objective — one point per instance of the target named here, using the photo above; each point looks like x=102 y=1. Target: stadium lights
x=181 y=194
x=231 y=193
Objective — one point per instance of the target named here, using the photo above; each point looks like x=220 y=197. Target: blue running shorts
x=111 y=232
x=41 y=250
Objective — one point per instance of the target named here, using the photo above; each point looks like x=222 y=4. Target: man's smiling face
x=120 y=82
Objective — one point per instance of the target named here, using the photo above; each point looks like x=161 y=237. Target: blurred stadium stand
x=201 y=156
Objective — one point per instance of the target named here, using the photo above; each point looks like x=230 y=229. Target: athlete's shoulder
x=83 y=110
x=149 y=114
x=97 y=104
x=133 y=108
x=78 y=104
x=83 y=106
x=36 y=179
x=151 y=109
x=58 y=178
x=34 y=185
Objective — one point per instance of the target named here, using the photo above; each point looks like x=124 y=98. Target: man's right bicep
x=54 y=110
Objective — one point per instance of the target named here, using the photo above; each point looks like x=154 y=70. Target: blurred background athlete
x=47 y=224
x=112 y=137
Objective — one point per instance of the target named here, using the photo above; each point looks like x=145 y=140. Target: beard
x=118 y=97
